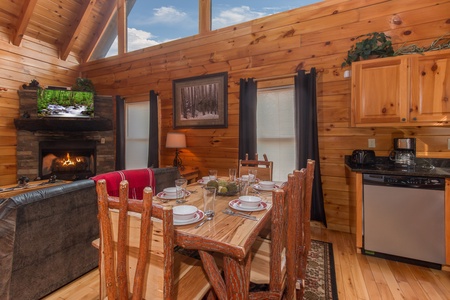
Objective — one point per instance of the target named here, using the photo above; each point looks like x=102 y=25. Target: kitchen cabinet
x=430 y=87
x=407 y=90
x=380 y=91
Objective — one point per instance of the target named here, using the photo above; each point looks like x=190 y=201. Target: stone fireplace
x=71 y=149
x=68 y=160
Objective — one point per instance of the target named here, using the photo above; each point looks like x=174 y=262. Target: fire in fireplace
x=68 y=160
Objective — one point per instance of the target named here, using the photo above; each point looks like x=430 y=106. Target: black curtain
x=153 y=139
x=247 y=118
x=120 y=133
x=307 y=136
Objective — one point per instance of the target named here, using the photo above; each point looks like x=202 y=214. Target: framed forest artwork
x=201 y=102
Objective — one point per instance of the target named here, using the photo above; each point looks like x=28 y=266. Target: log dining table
x=230 y=237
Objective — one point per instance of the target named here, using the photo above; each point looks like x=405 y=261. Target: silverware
x=239 y=214
x=208 y=218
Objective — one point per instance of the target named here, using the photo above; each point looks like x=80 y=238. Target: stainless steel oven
x=403 y=218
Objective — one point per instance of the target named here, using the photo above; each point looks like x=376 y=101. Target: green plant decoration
x=376 y=44
x=440 y=43
x=83 y=85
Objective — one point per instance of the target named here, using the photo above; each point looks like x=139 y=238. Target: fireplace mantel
x=63 y=124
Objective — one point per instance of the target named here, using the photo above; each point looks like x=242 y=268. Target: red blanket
x=138 y=179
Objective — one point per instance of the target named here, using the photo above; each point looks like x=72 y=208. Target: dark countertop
x=426 y=167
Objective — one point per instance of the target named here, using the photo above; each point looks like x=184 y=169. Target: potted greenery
x=83 y=85
x=376 y=44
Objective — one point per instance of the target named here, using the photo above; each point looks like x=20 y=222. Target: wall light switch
x=102 y=140
x=372 y=143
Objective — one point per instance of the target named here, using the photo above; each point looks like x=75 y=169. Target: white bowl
x=170 y=191
x=267 y=184
x=250 y=201
x=184 y=212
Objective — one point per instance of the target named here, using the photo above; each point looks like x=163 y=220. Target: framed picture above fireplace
x=58 y=103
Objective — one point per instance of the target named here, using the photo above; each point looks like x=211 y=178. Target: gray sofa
x=46 y=235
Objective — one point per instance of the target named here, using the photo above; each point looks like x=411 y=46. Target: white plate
x=260 y=188
x=199 y=215
x=163 y=195
x=236 y=204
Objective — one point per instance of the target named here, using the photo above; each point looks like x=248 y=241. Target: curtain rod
x=283 y=76
x=276 y=77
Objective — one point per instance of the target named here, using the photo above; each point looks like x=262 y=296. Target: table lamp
x=176 y=140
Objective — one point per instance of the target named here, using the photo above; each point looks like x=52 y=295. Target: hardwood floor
x=358 y=276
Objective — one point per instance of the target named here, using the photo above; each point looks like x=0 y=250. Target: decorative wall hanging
x=201 y=102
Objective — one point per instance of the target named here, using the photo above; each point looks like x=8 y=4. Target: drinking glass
x=212 y=174
x=181 y=185
x=232 y=174
x=252 y=173
x=243 y=187
x=209 y=197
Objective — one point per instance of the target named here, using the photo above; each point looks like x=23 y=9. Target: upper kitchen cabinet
x=380 y=91
x=430 y=88
x=408 y=90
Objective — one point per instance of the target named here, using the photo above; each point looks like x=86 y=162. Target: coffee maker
x=404 y=152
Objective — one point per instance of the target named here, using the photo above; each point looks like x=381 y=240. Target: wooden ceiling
x=74 y=27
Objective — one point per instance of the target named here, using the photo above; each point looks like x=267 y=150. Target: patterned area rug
x=320 y=274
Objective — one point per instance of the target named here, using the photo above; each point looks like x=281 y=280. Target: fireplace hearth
x=68 y=160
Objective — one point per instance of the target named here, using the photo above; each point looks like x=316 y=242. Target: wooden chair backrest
x=277 y=251
x=264 y=167
x=308 y=202
x=136 y=245
x=295 y=188
x=290 y=238
x=305 y=237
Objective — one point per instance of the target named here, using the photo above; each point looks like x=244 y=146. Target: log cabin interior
x=56 y=42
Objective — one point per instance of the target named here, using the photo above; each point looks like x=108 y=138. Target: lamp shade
x=176 y=140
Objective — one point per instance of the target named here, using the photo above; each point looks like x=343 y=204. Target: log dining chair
x=264 y=167
x=137 y=251
x=294 y=236
x=305 y=226
x=275 y=260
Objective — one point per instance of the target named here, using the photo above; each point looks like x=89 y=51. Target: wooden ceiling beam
x=122 y=26
x=23 y=21
x=204 y=16
x=82 y=16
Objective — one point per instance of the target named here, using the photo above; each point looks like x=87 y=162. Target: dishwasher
x=403 y=218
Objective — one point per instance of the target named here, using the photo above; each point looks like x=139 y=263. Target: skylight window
x=155 y=22
x=231 y=12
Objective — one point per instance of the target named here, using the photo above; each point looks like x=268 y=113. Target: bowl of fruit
x=225 y=188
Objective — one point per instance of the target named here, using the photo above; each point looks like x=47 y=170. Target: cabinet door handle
x=414 y=119
x=403 y=119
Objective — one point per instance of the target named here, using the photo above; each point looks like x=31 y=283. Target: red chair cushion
x=138 y=179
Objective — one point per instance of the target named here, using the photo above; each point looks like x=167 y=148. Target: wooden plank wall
x=314 y=36
x=19 y=65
